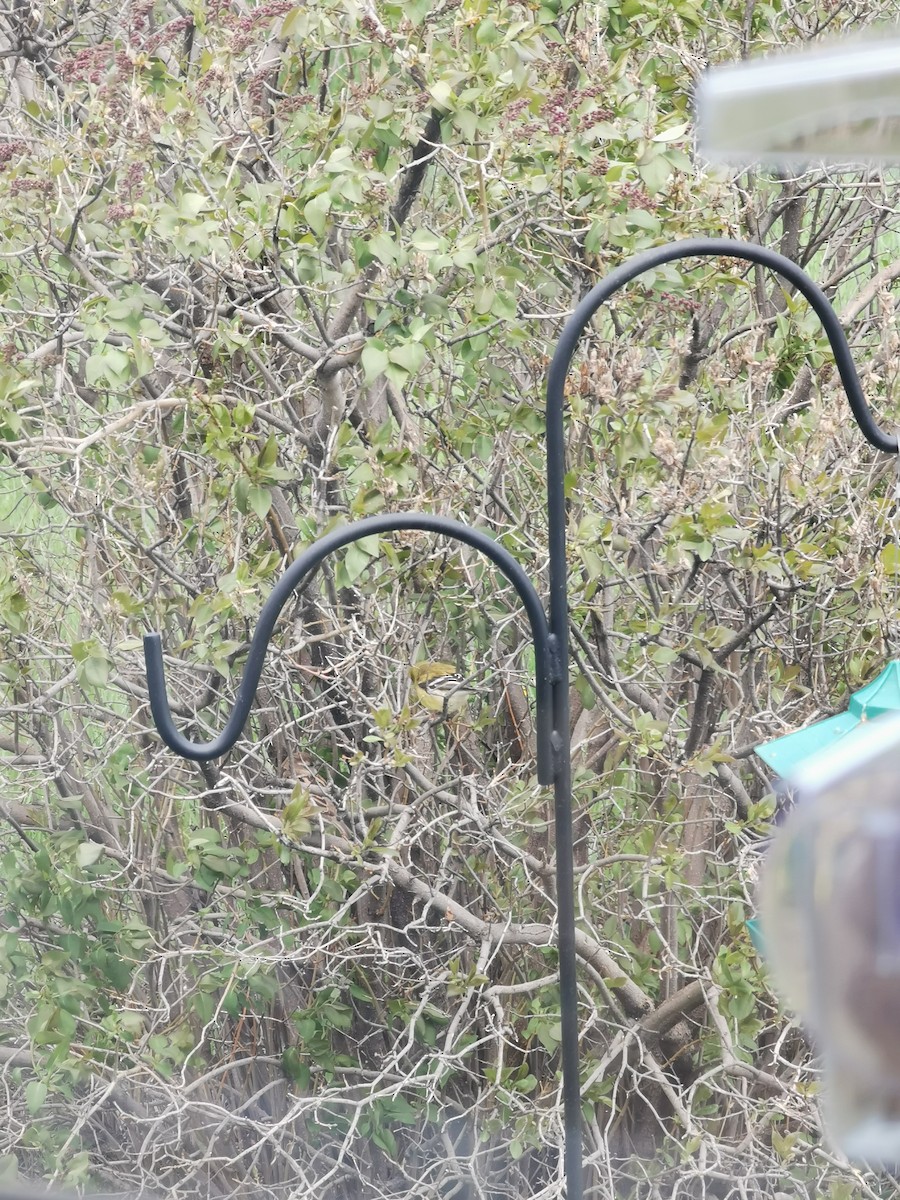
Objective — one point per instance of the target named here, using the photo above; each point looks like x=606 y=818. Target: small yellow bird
x=440 y=688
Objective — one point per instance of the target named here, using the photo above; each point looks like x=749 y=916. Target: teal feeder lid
x=755 y=932
x=880 y=696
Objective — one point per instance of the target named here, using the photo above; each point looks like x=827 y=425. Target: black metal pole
x=562 y=804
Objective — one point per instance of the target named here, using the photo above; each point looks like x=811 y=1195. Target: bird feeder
x=830 y=913
x=787 y=754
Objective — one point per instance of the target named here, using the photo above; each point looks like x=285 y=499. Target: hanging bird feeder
x=830 y=914
x=796 y=751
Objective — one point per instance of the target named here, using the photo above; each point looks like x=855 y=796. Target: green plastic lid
x=880 y=696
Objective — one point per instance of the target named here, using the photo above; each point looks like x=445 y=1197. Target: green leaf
x=639 y=218
x=94 y=670
x=268 y=456
x=783 y=1144
x=486 y=32
x=673 y=133
x=383 y=247
x=91 y=663
x=191 y=204
x=655 y=172
x=131 y=1023
x=35 y=1095
x=260 y=500
x=296 y=814
x=88 y=853
x=143 y=359
x=664 y=655
x=484 y=298
x=549 y=1035
x=397 y=375
x=467 y=123
x=409 y=355
x=742 y=1005
x=340 y=160
x=442 y=93
x=295 y=1068
x=107 y=363
x=374 y=359
x=356 y=561
x=241 y=493
x=386 y=1140
x=316 y=212
x=424 y=239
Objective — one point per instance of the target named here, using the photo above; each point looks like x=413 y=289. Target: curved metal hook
x=562 y=359
x=705 y=248
x=545 y=668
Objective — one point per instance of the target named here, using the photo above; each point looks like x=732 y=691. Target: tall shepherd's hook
x=549 y=632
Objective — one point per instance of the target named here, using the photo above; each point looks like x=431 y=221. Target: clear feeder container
x=830 y=912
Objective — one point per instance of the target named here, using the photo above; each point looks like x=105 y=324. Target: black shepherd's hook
x=546 y=665
x=559 y=618
x=550 y=633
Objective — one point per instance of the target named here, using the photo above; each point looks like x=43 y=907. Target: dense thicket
x=269 y=268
